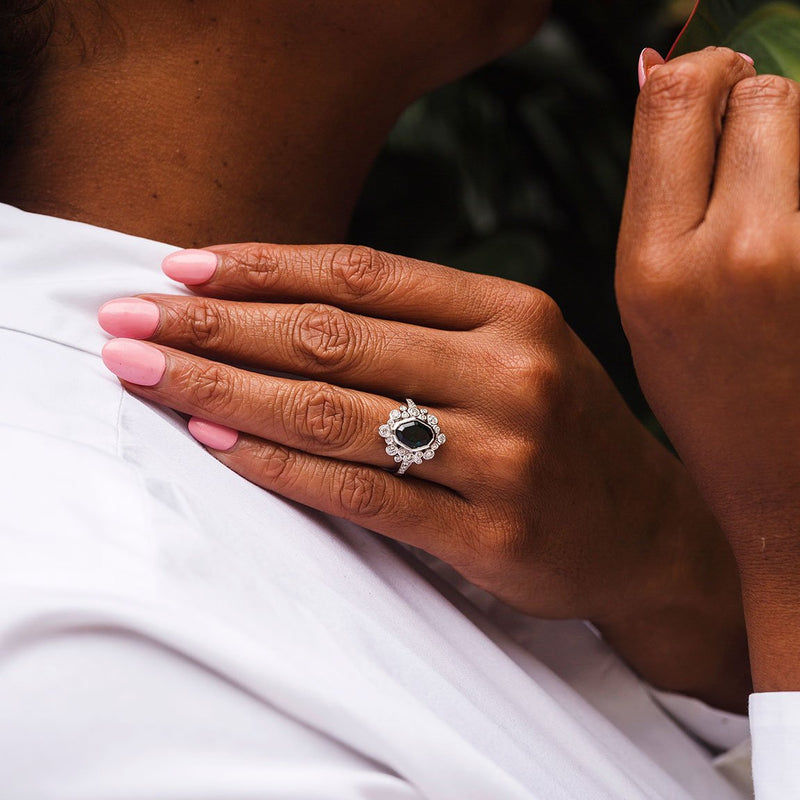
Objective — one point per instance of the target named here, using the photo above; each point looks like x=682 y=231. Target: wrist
x=773 y=628
x=761 y=516
x=681 y=624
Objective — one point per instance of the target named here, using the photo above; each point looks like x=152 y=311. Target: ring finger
x=311 y=416
x=758 y=163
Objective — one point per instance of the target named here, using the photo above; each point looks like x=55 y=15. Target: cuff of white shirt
x=775 y=729
x=720 y=730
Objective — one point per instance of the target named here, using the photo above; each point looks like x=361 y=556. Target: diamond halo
x=412 y=435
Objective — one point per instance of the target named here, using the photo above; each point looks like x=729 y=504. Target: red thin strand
x=683 y=30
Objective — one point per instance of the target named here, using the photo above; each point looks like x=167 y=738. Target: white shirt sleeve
x=105 y=713
x=724 y=733
x=719 y=730
x=775 y=729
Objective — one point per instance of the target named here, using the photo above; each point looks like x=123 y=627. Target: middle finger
x=310 y=339
x=758 y=163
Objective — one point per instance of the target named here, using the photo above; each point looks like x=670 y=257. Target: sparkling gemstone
x=414 y=434
x=428 y=455
x=395 y=414
x=441 y=438
x=385 y=431
x=433 y=420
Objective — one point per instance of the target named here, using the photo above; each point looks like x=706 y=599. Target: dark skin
x=256 y=121
x=574 y=510
x=193 y=122
x=709 y=287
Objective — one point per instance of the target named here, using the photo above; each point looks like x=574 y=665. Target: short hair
x=25 y=29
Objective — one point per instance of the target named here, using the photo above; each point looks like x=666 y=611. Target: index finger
x=350 y=277
x=677 y=127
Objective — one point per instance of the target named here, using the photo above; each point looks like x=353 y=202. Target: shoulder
x=57 y=390
x=90 y=711
x=109 y=669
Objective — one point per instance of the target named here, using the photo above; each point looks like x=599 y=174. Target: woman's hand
x=709 y=288
x=547 y=492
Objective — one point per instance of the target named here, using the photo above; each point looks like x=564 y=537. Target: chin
x=517 y=22
x=498 y=30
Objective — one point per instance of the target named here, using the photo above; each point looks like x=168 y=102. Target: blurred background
x=519 y=169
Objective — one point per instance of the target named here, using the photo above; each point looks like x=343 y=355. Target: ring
x=412 y=435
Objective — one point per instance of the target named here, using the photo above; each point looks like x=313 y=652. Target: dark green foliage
x=767 y=30
x=519 y=170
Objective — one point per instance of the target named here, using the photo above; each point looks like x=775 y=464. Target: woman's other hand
x=547 y=492
x=709 y=289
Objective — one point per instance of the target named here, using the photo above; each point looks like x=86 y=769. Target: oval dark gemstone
x=414 y=434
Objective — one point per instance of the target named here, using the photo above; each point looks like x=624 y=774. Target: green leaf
x=769 y=32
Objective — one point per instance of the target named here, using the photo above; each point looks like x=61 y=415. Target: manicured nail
x=747 y=58
x=131 y=317
x=134 y=361
x=217 y=437
x=649 y=59
x=190 y=266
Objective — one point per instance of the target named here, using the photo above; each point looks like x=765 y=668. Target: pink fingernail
x=747 y=58
x=135 y=361
x=190 y=266
x=217 y=437
x=131 y=317
x=649 y=59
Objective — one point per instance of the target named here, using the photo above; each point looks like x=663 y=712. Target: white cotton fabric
x=776 y=744
x=169 y=631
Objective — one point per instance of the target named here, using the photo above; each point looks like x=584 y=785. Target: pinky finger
x=415 y=512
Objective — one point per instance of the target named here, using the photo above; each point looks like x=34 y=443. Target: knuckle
x=635 y=272
x=763 y=92
x=638 y=259
x=212 y=388
x=322 y=416
x=750 y=249
x=645 y=279
x=362 y=494
x=542 y=311
x=253 y=267
x=742 y=247
x=725 y=58
x=674 y=87
x=202 y=319
x=522 y=456
x=543 y=378
x=359 y=271
x=323 y=335
x=277 y=465
x=535 y=377
x=498 y=297
x=533 y=310
x=518 y=366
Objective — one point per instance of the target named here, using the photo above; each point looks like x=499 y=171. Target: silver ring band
x=412 y=435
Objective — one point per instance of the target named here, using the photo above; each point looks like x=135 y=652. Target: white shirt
x=170 y=631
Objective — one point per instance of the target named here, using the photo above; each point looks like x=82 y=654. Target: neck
x=232 y=134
